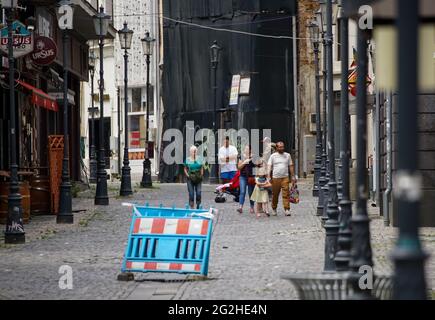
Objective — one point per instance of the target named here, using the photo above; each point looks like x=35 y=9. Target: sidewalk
x=248 y=255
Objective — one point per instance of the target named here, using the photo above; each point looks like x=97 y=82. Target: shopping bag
x=294 y=194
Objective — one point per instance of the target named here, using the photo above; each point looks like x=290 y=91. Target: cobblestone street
x=248 y=254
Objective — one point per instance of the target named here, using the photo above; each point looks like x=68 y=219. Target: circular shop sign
x=45 y=51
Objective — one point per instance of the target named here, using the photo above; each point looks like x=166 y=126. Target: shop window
x=136 y=131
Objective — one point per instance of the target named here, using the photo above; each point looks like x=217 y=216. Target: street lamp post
x=126 y=37
x=361 y=252
x=14 y=229
x=101 y=22
x=147 y=182
x=314 y=35
x=408 y=256
x=92 y=161
x=331 y=224
x=325 y=162
x=65 y=210
x=214 y=59
x=323 y=171
x=342 y=257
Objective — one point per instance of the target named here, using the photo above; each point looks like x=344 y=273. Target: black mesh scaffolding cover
x=187 y=74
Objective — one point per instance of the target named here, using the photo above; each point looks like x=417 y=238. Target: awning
x=40 y=98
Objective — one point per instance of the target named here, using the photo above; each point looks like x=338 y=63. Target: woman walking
x=194 y=171
x=247 y=179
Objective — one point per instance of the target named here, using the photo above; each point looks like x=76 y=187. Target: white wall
x=140 y=16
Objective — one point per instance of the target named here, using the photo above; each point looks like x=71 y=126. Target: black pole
x=126 y=171
x=361 y=252
x=146 y=178
x=214 y=168
x=408 y=256
x=118 y=99
x=331 y=225
x=93 y=161
x=101 y=197
x=342 y=257
x=318 y=162
x=215 y=120
x=14 y=229
x=65 y=210
x=323 y=188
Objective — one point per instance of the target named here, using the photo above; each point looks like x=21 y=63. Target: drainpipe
x=377 y=171
x=388 y=125
x=295 y=96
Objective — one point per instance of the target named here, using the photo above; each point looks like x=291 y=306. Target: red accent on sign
x=45 y=51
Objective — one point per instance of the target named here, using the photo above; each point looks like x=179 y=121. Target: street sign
x=22 y=40
x=235 y=86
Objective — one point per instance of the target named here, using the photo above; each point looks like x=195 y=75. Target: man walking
x=281 y=169
x=228 y=161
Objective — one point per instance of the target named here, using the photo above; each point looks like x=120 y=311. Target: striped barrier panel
x=161 y=243
x=147 y=211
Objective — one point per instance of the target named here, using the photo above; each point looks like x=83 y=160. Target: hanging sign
x=45 y=51
x=22 y=40
x=235 y=86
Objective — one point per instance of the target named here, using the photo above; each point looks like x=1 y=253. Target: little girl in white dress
x=260 y=195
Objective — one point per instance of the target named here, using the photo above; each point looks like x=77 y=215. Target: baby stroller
x=231 y=188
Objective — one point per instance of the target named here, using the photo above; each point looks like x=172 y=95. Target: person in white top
x=281 y=170
x=228 y=161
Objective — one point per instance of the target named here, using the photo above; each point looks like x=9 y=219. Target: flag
x=353 y=75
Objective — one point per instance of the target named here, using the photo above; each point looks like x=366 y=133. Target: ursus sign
x=45 y=51
x=22 y=40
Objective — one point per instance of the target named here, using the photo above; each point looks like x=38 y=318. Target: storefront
x=39 y=100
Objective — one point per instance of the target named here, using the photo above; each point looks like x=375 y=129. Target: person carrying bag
x=194 y=171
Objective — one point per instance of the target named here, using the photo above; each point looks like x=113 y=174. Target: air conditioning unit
x=313 y=119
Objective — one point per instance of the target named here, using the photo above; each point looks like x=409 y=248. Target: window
x=144 y=102
x=136 y=131
x=136 y=99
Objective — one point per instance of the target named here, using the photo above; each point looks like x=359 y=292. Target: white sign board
x=235 y=86
x=245 y=85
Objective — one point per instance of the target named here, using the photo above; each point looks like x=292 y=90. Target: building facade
x=141 y=16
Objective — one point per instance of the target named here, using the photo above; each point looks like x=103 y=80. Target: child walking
x=260 y=195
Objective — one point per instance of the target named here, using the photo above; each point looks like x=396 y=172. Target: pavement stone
x=248 y=255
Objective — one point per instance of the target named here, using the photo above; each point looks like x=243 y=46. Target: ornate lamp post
x=92 y=161
x=65 y=14
x=14 y=229
x=147 y=44
x=314 y=35
x=101 y=23
x=126 y=37
x=342 y=257
x=323 y=179
x=331 y=225
x=408 y=256
x=214 y=60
